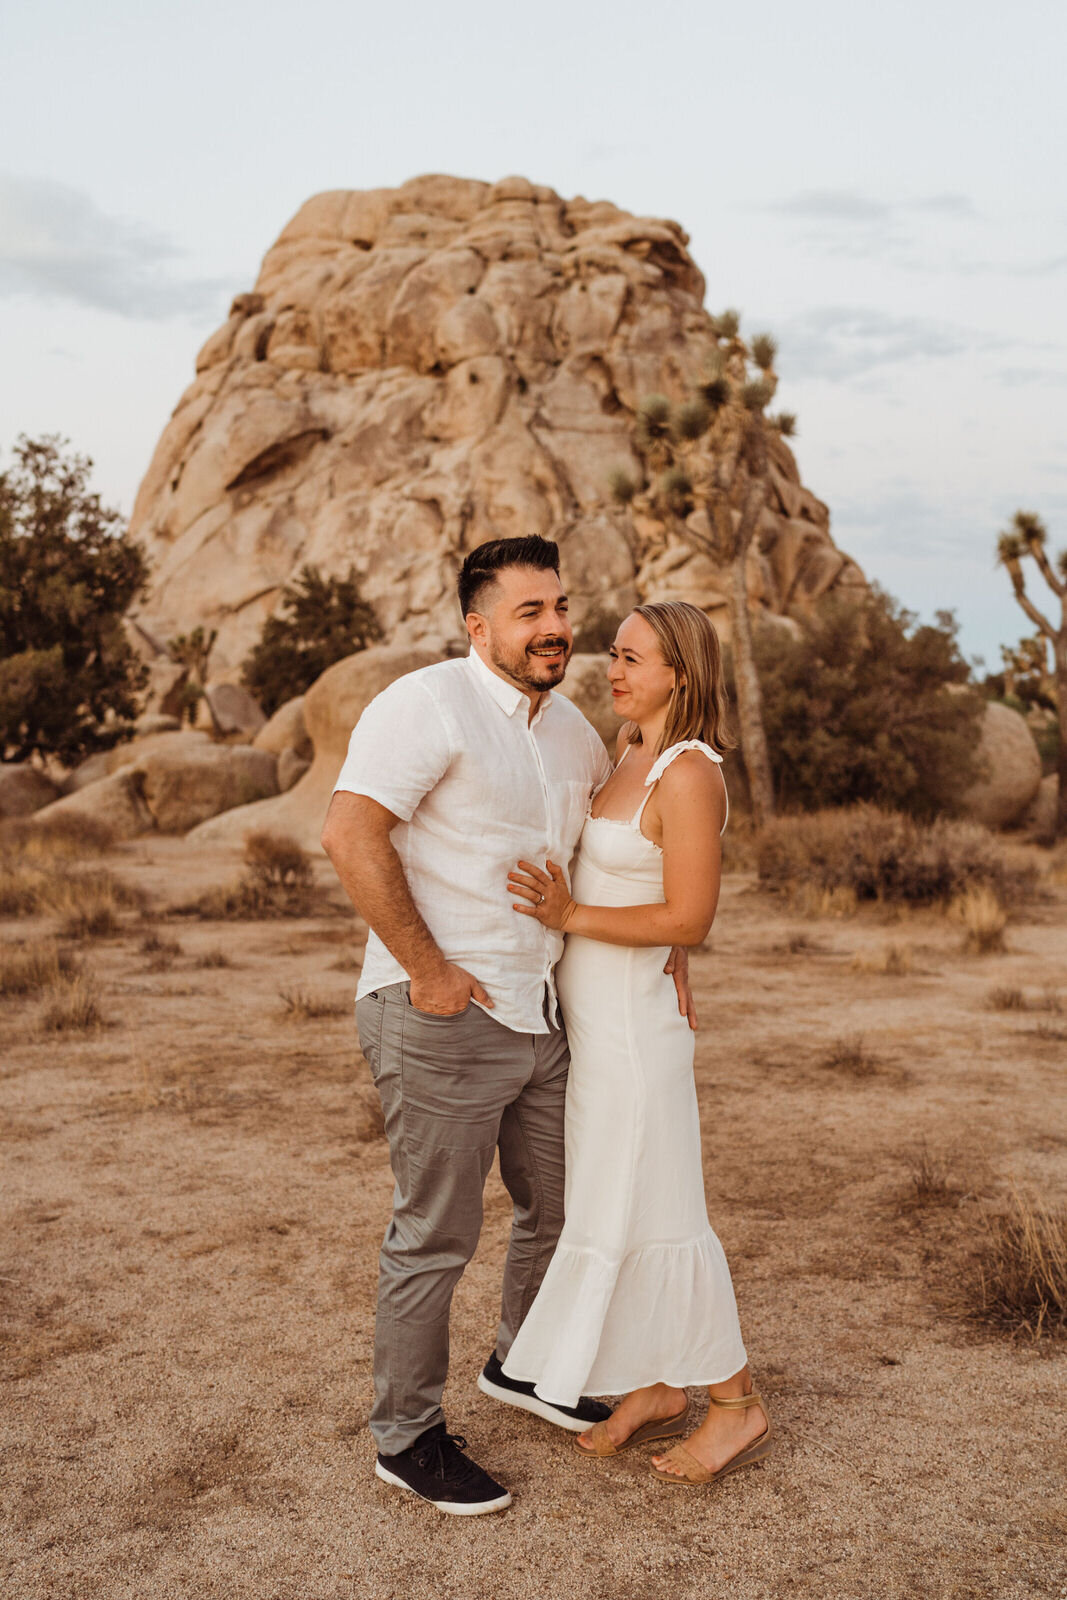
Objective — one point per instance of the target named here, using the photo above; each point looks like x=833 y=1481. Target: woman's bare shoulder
x=693 y=780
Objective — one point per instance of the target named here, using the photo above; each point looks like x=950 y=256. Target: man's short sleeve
x=399 y=749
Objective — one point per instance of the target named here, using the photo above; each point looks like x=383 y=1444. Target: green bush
x=68 y=571
x=881 y=855
x=323 y=620
x=867 y=706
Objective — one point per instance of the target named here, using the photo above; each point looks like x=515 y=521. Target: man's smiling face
x=522 y=628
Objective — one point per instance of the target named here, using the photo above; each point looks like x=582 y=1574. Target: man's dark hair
x=483 y=564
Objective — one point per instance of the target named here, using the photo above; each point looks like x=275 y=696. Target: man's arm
x=356 y=838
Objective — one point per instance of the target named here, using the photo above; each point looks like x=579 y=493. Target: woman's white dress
x=638 y=1290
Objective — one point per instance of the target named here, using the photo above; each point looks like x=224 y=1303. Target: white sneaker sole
x=450 y=1507
x=530 y=1402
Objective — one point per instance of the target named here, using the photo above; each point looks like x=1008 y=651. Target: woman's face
x=641 y=681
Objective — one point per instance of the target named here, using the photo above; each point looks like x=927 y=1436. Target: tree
x=323 y=620
x=1027 y=538
x=68 y=571
x=708 y=456
x=193 y=651
x=866 y=705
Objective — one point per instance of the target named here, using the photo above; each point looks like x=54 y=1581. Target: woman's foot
x=654 y=1403
x=721 y=1436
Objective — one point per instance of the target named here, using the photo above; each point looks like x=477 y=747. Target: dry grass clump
x=37 y=877
x=1048 y=1033
x=1006 y=997
x=932 y=1180
x=984 y=919
x=90 y=903
x=215 y=957
x=1009 y=997
x=26 y=969
x=894 y=960
x=880 y=855
x=302 y=1006
x=1020 y=1274
x=278 y=881
x=811 y=901
x=162 y=952
x=849 y=1054
x=57 y=839
x=73 y=1007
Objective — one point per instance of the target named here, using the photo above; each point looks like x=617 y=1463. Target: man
x=452 y=774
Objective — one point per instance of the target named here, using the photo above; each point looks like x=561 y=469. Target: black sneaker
x=493 y=1382
x=436 y=1469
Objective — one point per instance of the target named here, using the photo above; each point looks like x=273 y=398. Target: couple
x=467 y=789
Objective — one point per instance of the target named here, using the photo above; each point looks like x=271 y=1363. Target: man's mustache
x=548 y=644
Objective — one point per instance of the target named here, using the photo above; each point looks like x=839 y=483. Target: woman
x=638 y=1295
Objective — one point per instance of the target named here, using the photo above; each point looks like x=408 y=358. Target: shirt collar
x=507 y=696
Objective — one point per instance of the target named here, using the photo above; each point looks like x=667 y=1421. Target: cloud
x=55 y=243
x=842 y=342
x=1026 y=377
x=833 y=205
x=850 y=207
x=943 y=205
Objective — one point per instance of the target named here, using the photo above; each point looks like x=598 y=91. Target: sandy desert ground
x=193 y=1198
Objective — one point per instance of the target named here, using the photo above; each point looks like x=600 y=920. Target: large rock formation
x=422 y=368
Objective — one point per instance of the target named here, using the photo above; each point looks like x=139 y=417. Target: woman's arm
x=691 y=804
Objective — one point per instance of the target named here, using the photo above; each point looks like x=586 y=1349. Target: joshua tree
x=193 y=651
x=1028 y=536
x=707 y=473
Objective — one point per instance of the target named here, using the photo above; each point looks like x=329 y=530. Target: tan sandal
x=658 y=1428
x=694 y=1472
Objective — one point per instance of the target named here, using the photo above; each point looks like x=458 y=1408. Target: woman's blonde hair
x=690 y=645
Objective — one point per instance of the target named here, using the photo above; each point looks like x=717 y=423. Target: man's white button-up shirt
x=451 y=751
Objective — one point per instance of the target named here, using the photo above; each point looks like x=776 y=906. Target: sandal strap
x=600 y=1443
x=740 y=1403
x=693 y=1471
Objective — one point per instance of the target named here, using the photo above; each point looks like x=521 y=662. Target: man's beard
x=530 y=671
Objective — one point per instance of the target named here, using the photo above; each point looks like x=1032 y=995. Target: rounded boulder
x=332 y=707
x=1010 y=767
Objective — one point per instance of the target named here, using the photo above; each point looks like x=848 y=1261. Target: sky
x=883 y=188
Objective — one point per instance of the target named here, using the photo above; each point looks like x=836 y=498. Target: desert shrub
x=302 y=1006
x=865 y=705
x=276 y=860
x=73 y=1007
x=1006 y=997
x=26 y=969
x=68 y=572
x=1020 y=1275
x=322 y=620
x=983 y=917
x=881 y=855
x=278 y=881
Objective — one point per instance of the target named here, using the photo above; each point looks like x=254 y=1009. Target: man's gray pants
x=455 y=1090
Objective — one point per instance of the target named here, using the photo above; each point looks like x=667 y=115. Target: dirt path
x=193 y=1199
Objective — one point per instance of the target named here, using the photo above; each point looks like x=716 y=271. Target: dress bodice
x=617 y=864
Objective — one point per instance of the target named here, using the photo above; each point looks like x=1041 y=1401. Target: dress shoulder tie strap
x=661 y=763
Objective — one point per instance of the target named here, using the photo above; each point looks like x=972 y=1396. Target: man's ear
x=476 y=628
